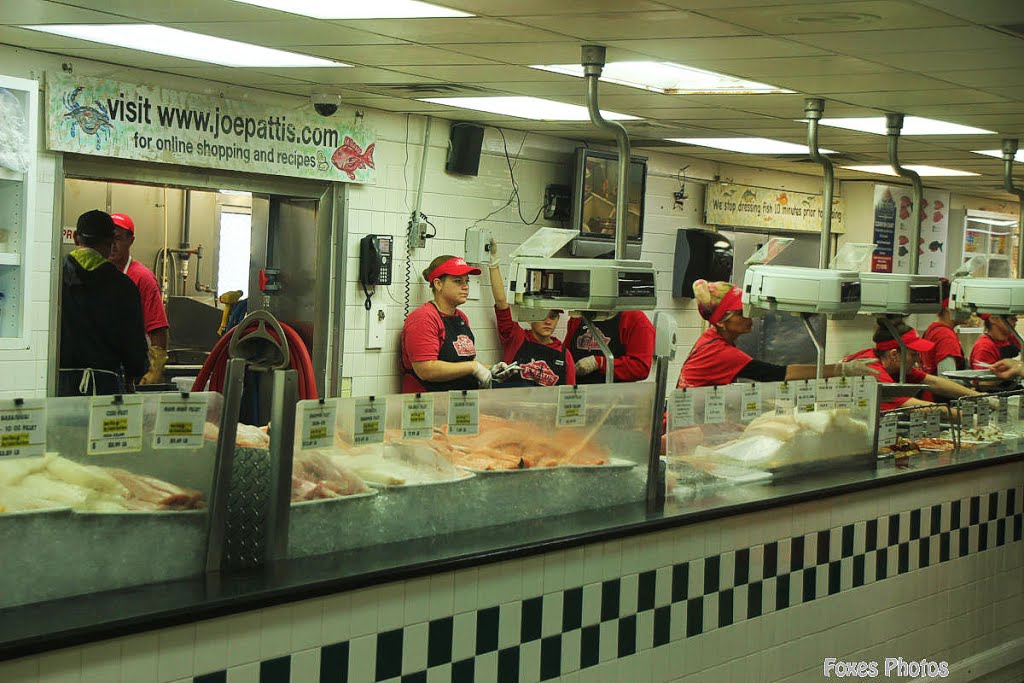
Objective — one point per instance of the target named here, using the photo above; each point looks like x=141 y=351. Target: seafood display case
x=403 y=482
x=107 y=504
x=764 y=431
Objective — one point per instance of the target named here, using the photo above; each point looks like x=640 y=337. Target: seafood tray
x=612 y=464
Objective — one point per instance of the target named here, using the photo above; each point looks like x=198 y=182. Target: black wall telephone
x=375 y=252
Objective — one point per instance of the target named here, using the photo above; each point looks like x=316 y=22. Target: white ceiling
x=948 y=59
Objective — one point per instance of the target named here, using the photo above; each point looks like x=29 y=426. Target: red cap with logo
x=122 y=220
x=454 y=266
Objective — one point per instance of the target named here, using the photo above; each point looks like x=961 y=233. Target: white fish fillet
x=86 y=476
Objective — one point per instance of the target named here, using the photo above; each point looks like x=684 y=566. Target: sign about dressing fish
x=758 y=207
x=893 y=223
x=128 y=121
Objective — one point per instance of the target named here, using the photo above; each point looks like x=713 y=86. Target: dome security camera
x=325 y=104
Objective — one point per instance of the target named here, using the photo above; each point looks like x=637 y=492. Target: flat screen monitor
x=595 y=192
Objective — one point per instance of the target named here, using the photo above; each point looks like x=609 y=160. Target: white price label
x=918 y=423
x=844 y=393
x=934 y=424
x=714 y=406
x=464 y=413
x=887 y=430
x=22 y=427
x=680 y=405
x=806 y=396
x=968 y=408
x=862 y=389
x=316 y=423
x=984 y=412
x=180 y=420
x=115 y=424
x=826 y=395
x=1003 y=411
x=370 y=417
x=784 y=399
x=750 y=402
x=572 y=406
x=418 y=416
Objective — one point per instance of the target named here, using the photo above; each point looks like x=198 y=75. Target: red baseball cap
x=912 y=341
x=454 y=266
x=122 y=220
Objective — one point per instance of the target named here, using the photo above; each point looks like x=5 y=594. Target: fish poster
x=759 y=207
x=893 y=214
x=144 y=123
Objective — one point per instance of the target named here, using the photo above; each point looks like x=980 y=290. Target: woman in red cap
x=886 y=360
x=998 y=342
x=438 y=348
x=715 y=360
x=536 y=356
x=947 y=353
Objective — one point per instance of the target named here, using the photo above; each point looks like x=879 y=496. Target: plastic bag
x=14 y=151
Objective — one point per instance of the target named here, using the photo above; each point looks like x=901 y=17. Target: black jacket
x=101 y=321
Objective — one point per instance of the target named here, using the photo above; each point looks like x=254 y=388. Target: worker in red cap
x=886 y=359
x=715 y=360
x=947 y=354
x=998 y=342
x=536 y=357
x=438 y=349
x=153 y=312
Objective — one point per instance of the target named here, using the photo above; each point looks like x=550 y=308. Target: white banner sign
x=757 y=207
x=129 y=121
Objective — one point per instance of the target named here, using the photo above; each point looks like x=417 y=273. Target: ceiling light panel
x=173 y=42
x=912 y=125
x=749 y=145
x=998 y=154
x=342 y=9
x=933 y=171
x=526 y=108
x=668 y=78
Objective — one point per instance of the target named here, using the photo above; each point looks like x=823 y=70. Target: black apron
x=583 y=344
x=1011 y=350
x=459 y=346
x=540 y=366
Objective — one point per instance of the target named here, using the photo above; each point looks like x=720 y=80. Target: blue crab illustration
x=92 y=120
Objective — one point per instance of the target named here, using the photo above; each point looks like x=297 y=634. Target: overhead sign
x=893 y=218
x=758 y=207
x=129 y=121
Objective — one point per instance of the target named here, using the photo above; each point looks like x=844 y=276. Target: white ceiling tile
x=1014 y=93
x=41 y=12
x=395 y=54
x=770 y=68
x=561 y=52
x=907 y=102
x=835 y=16
x=182 y=10
x=341 y=76
x=711 y=4
x=121 y=55
x=981 y=11
x=489 y=73
x=951 y=60
x=239 y=76
x=983 y=78
x=464 y=30
x=883 y=82
x=37 y=40
x=616 y=26
x=739 y=47
x=300 y=31
x=503 y=8
x=860 y=43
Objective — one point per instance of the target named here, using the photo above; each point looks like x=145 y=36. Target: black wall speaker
x=700 y=254
x=464 y=146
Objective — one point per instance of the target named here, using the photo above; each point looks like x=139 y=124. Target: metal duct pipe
x=813 y=110
x=593 y=59
x=894 y=123
x=1009 y=152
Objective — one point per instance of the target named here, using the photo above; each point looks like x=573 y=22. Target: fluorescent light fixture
x=883 y=169
x=998 y=154
x=173 y=42
x=526 y=108
x=992 y=221
x=347 y=9
x=749 y=145
x=912 y=125
x=668 y=78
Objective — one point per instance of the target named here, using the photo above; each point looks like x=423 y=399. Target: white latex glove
x=585 y=366
x=501 y=371
x=482 y=374
x=493 y=251
x=860 y=367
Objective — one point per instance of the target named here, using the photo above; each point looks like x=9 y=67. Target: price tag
x=887 y=430
x=714 y=406
x=862 y=388
x=316 y=423
x=750 y=402
x=826 y=395
x=918 y=423
x=806 y=396
x=968 y=408
x=418 y=416
x=572 y=407
x=1003 y=411
x=984 y=412
x=784 y=399
x=22 y=427
x=844 y=393
x=680 y=408
x=1020 y=408
x=370 y=417
x=180 y=419
x=115 y=424
x=463 y=413
x=933 y=426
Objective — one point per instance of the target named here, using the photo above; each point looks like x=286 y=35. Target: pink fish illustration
x=350 y=157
